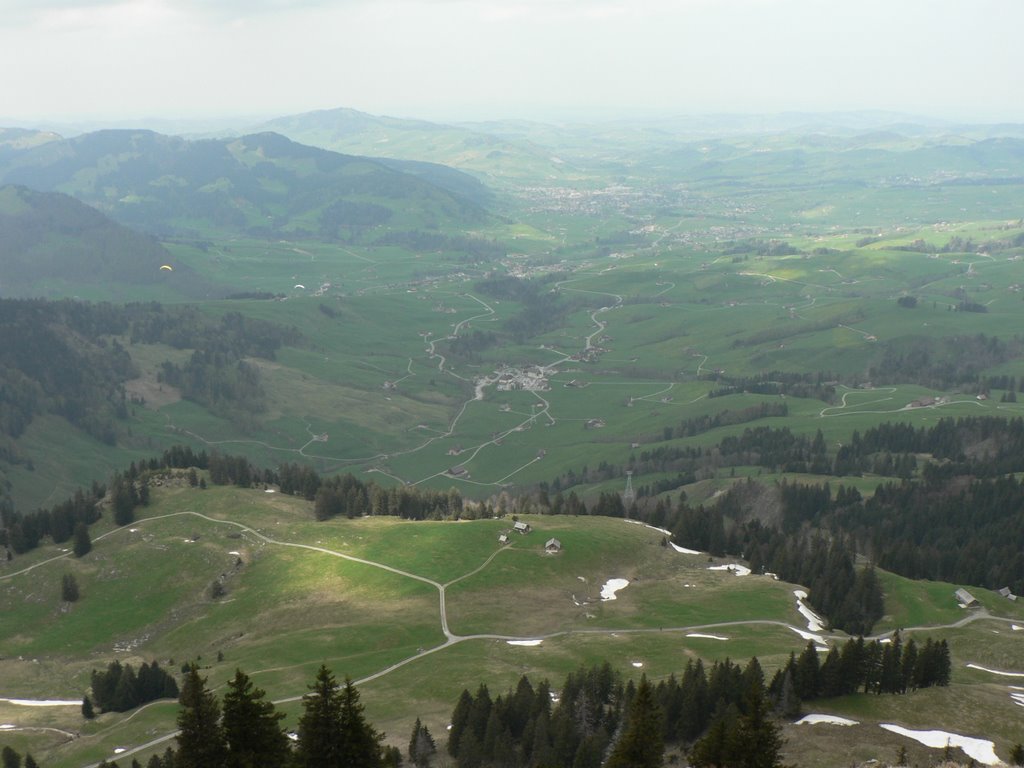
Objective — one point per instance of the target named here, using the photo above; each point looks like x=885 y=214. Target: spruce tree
x=908 y=665
x=252 y=727
x=710 y=749
x=87 y=710
x=69 y=592
x=126 y=693
x=10 y=758
x=460 y=716
x=421 y=745
x=789 y=703
x=831 y=677
x=361 y=743
x=944 y=666
x=319 y=744
x=200 y=736
x=83 y=544
x=391 y=757
x=30 y=762
x=756 y=740
x=642 y=744
x=122 y=500
x=333 y=732
x=807 y=673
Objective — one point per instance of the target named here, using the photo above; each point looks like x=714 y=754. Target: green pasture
x=688 y=312
x=290 y=608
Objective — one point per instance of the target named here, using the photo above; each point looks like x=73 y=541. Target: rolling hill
x=54 y=245
x=260 y=185
x=489 y=155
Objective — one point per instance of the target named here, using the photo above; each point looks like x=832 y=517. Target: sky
x=498 y=59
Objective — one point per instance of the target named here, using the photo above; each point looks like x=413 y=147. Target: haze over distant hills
x=258 y=185
x=480 y=150
x=53 y=243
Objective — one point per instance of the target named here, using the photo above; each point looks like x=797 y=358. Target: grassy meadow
x=293 y=601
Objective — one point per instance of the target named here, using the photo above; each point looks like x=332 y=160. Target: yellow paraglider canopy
x=168 y=267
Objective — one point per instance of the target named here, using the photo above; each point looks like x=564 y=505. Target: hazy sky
x=478 y=59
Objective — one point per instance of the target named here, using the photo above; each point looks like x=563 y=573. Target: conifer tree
x=122 y=500
x=362 y=743
x=460 y=716
x=126 y=694
x=200 y=736
x=69 y=588
x=87 y=709
x=333 y=732
x=907 y=666
x=252 y=727
x=694 y=713
x=83 y=544
x=831 y=677
x=320 y=725
x=944 y=665
x=10 y=758
x=421 y=745
x=806 y=674
x=789 y=703
x=642 y=744
x=391 y=757
x=710 y=749
x=755 y=742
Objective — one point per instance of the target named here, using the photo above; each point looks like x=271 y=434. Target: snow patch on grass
x=42 y=702
x=739 y=570
x=683 y=550
x=706 y=637
x=525 y=642
x=810 y=636
x=814 y=621
x=611 y=587
x=982 y=750
x=653 y=528
x=995 y=671
x=826 y=719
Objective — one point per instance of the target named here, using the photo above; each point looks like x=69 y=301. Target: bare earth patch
x=153 y=393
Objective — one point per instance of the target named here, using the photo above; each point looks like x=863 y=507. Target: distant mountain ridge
x=469 y=148
x=258 y=185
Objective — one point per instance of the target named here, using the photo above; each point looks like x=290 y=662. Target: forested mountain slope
x=52 y=243
x=262 y=185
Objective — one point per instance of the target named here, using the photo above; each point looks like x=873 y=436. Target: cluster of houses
x=551 y=546
x=531 y=379
x=967 y=600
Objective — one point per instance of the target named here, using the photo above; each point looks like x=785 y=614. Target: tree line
x=244 y=729
x=597 y=720
x=120 y=688
x=339 y=495
x=889 y=666
x=21 y=532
